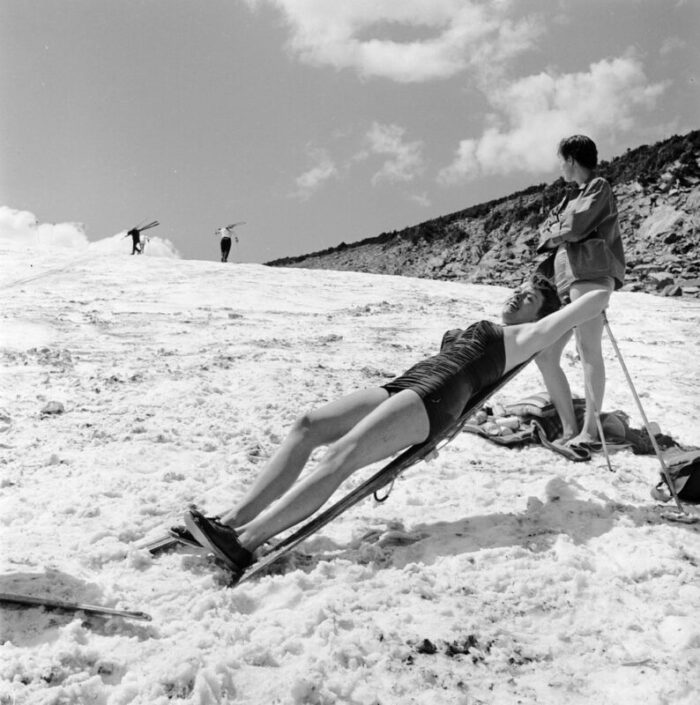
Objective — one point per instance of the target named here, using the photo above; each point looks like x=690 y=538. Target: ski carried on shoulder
x=380 y=479
x=51 y=603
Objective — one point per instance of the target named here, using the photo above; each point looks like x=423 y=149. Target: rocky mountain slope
x=658 y=195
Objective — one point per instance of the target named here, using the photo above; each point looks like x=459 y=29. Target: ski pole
x=32 y=601
x=652 y=438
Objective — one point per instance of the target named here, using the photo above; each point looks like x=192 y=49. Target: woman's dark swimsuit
x=468 y=361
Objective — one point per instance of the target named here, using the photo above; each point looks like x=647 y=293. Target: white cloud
x=21 y=229
x=534 y=113
x=13 y=222
x=422 y=199
x=406 y=160
x=310 y=181
x=365 y=35
x=671 y=45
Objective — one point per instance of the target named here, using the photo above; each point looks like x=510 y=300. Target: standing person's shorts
x=564 y=277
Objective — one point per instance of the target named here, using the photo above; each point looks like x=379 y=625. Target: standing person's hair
x=581 y=148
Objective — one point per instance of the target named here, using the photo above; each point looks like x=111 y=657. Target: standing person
x=135 y=234
x=582 y=236
x=375 y=423
x=225 y=235
x=135 y=241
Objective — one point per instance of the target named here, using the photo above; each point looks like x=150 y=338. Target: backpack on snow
x=683 y=467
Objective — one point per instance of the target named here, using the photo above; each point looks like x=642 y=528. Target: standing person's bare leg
x=549 y=363
x=589 y=337
x=318 y=427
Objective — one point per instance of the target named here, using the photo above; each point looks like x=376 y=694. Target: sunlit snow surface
x=534 y=580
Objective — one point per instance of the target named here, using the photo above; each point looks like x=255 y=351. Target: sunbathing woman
x=373 y=424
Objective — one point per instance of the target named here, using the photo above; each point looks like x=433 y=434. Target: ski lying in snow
x=380 y=479
x=159 y=544
x=169 y=539
x=50 y=603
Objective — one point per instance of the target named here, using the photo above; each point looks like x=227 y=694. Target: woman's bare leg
x=549 y=363
x=315 y=428
x=589 y=338
x=397 y=423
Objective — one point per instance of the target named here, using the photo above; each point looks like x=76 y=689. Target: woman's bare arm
x=525 y=340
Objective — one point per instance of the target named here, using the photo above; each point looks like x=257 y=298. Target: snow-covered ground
x=489 y=576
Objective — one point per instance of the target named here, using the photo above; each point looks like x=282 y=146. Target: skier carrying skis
x=135 y=241
x=225 y=234
x=373 y=424
x=135 y=234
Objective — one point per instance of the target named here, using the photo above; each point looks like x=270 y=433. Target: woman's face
x=523 y=306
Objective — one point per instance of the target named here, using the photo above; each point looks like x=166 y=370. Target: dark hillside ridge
x=658 y=196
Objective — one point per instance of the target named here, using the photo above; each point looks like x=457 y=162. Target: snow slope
x=490 y=575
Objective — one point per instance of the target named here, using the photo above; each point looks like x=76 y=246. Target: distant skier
x=225 y=235
x=135 y=234
x=135 y=241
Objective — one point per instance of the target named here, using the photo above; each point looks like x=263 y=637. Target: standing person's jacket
x=585 y=231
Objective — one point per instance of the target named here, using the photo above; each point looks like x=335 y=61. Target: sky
x=320 y=121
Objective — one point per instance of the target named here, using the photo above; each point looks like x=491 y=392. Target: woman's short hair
x=550 y=298
x=581 y=148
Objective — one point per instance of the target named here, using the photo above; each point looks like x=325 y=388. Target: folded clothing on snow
x=526 y=420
